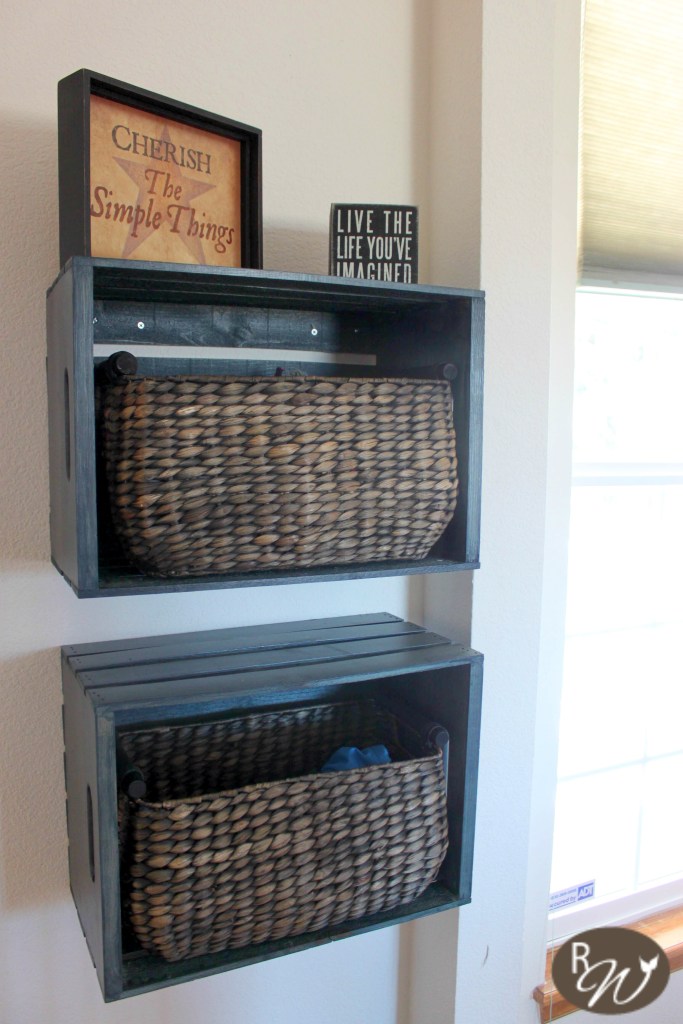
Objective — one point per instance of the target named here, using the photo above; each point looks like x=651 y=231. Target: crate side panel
x=475 y=432
x=73 y=527
x=60 y=380
x=81 y=770
x=84 y=430
x=471 y=772
x=109 y=858
x=455 y=540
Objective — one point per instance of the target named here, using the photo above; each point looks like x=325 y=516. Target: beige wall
x=334 y=89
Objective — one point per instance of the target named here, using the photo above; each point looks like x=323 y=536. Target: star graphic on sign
x=141 y=174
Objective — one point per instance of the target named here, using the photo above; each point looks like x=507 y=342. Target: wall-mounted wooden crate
x=188 y=320
x=114 y=687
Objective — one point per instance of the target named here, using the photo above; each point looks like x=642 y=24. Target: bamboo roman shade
x=632 y=140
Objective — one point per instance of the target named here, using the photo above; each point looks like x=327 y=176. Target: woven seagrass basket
x=241 y=839
x=217 y=474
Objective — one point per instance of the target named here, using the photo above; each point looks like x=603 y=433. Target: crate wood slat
x=180 y=697
x=233 y=637
x=215 y=326
x=178 y=653
x=119 y=580
x=171 y=282
x=440 y=682
x=168 y=670
x=393 y=330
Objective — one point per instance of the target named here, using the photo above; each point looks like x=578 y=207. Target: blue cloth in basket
x=352 y=757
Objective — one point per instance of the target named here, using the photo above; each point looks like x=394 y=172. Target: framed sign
x=376 y=243
x=143 y=177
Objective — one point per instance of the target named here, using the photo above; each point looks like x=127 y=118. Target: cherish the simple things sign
x=375 y=243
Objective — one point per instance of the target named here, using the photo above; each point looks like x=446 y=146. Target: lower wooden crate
x=115 y=686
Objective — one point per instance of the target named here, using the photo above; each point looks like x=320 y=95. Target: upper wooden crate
x=190 y=319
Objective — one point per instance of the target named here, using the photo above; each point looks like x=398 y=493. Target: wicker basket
x=217 y=474
x=241 y=839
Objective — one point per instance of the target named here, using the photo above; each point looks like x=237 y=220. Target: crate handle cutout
x=67 y=425
x=91 y=834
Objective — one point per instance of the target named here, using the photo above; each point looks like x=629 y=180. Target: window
x=619 y=821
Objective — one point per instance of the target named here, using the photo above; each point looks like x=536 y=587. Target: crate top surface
x=269 y=659
x=233 y=636
x=176 y=282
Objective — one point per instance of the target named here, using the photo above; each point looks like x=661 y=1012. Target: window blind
x=632 y=142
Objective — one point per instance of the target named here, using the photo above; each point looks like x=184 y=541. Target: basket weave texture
x=235 y=847
x=217 y=474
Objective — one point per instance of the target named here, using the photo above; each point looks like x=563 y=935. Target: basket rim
x=267 y=378
x=254 y=787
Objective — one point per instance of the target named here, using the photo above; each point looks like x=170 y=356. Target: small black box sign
x=376 y=243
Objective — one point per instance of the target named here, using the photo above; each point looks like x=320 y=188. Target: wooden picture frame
x=144 y=177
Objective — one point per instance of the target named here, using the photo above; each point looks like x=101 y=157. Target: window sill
x=666 y=928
